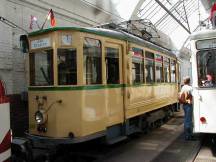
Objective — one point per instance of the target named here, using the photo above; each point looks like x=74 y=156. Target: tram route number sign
x=40 y=43
x=66 y=40
x=206 y=44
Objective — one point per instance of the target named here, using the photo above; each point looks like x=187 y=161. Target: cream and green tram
x=86 y=83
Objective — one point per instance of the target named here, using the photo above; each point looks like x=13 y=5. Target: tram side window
x=159 y=68
x=92 y=61
x=206 y=67
x=137 y=66
x=67 y=67
x=149 y=67
x=173 y=71
x=112 y=65
x=41 y=68
x=166 y=69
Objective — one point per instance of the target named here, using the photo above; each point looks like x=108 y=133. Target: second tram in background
x=203 y=46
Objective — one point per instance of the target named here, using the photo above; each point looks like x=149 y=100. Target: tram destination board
x=206 y=44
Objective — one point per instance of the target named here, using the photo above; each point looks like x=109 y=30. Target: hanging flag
x=33 y=19
x=213 y=11
x=51 y=18
x=31 y=22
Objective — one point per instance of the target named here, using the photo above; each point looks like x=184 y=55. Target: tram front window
x=41 y=68
x=67 y=67
x=92 y=56
x=206 y=65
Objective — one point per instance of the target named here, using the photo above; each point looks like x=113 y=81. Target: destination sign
x=206 y=44
x=40 y=43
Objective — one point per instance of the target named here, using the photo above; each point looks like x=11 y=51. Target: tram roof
x=117 y=34
x=203 y=34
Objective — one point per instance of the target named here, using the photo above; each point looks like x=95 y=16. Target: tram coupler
x=21 y=149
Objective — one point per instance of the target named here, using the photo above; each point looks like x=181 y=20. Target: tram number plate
x=40 y=43
x=205 y=44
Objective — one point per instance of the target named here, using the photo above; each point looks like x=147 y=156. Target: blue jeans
x=188 y=120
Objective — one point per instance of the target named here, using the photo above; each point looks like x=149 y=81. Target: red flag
x=213 y=10
x=51 y=15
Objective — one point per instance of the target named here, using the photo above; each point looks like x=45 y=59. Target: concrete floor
x=164 y=144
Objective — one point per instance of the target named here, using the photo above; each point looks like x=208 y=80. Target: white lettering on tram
x=40 y=43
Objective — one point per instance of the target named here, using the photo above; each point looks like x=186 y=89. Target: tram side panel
x=141 y=98
x=148 y=98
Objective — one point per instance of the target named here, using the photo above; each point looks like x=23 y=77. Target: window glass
x=92 y=61
x=137 y=65
x=112 y=65
x=173 y=71
x=206 y=67
x=67 y=66
x=159 y=68
x=149 y=67
x=166 y=69
x=41 y=68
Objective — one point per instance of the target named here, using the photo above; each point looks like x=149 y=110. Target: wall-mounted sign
x=40 y=43
x=204 y=44
x=66 y=40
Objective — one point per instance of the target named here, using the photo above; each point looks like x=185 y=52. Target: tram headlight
x=40 y=117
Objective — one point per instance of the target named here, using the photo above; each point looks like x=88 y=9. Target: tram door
x=114 y=80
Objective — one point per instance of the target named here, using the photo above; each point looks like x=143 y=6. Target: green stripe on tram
x=60 y=88
x=93 y=87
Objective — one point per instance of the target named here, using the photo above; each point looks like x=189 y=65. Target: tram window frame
x=68 y=62
x=149 y=62
x=159 y=68
x=208 y=71
x=137 y=66
x=44 y=78
x=112 y=65
x=92 y=61
x=173 y=71
x=166 y=66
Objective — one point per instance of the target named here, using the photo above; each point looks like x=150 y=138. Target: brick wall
x=67 y=13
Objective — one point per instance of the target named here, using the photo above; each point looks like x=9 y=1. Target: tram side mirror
x=24 y=45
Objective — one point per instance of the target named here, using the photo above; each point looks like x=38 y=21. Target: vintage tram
x=203 y=47
x=87 y=83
